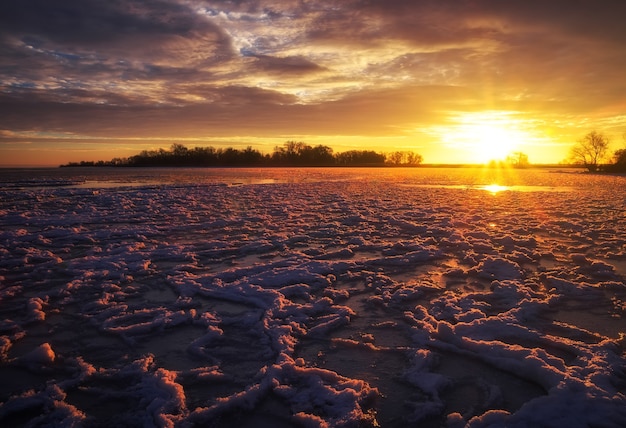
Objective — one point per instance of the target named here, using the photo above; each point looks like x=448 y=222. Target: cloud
x=96 y=23
x=356 y=67
x=244 y=109
x=72 y=35
x=289 y=65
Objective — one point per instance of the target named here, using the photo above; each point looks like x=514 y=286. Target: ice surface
x=316 y=297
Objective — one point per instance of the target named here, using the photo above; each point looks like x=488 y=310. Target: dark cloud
x=227 y=108
x=89 y=22
x=73 y=34
x=288 y=65
x=581 y=19
x=455 y=23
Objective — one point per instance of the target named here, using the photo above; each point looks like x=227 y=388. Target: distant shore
x=290 y=154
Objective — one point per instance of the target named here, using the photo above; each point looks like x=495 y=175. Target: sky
x=454 y=80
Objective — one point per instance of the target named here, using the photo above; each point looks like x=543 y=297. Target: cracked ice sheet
x=350 y=301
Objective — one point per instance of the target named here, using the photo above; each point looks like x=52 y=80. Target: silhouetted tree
x=518 y=160
x=414 y=159
x=395 y=158
x=590 y=151
x=619 y=161
x=405 y=158
x=179 y=149
x=360 y=158
x=289 y=153
x=251 y=156
x=322 y=155
x=619 y=157
x=297 y=153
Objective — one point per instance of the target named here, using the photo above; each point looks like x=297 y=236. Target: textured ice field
x=313 y=298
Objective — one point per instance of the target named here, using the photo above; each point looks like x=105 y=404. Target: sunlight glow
x=488 y=135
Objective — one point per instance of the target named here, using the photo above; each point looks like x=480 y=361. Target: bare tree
x=518 y=160
x=414 y=159
x=406 y=158
x=590 y=151
x=395 y=158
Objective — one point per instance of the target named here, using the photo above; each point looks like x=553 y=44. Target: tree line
x=291 y=153
x=592 y=152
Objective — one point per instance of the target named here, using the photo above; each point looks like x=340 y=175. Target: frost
x=326 y=301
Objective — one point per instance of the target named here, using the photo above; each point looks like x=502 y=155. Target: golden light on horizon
x=489 y=135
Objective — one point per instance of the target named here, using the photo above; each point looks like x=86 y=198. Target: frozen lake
x=431 y=297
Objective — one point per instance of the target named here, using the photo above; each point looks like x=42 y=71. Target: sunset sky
x=454 y=80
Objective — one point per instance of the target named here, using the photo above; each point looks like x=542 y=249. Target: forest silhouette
x=291 y=153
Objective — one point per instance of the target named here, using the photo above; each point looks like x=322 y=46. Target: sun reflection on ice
x=495 y=188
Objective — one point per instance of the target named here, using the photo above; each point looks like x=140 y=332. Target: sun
x=487 y=136
x=492 y=141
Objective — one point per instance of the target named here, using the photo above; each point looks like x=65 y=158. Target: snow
x=312 y=298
